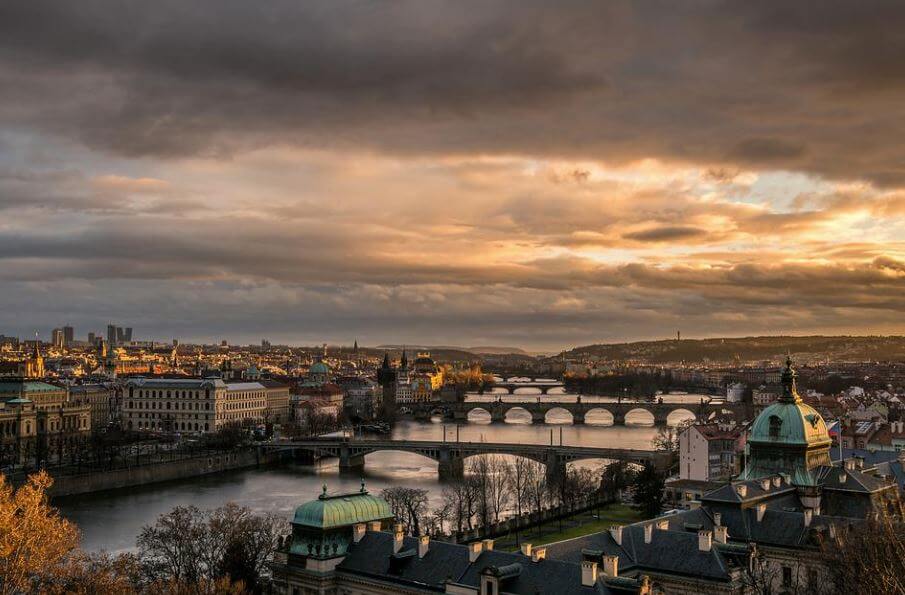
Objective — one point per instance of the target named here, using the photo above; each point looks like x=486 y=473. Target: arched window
x=775 y=426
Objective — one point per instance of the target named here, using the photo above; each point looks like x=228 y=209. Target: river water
x=112 y=521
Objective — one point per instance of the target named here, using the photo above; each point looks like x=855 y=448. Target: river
x=111 y=521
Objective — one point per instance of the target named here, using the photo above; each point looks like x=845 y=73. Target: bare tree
x=460 y=499
x=409 y=506
x=867 y=557
x=479 y=475
x=523 y=470
x=199 y=547
x=498 y=485
x=536 y=488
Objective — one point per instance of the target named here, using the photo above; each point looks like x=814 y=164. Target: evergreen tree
x=648 y=495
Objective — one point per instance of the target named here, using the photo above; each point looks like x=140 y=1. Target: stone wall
x=72 y=485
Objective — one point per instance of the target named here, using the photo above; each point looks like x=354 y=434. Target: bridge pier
x=497 y=415
x=538 y=417
x=618 y=418
x=556 y=468
x=350 y=462
x=577 y=417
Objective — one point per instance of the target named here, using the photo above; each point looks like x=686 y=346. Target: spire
x=789 y=390
x=386 y=360
x=404 y=363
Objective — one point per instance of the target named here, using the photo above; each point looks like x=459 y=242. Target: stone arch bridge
x=579 y=410
x=451 y=455
x=511 y=387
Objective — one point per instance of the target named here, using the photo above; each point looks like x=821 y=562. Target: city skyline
x=516 y=174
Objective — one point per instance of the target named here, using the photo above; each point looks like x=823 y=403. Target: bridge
x=511 y=387
x=498 y=410
x=451 y=455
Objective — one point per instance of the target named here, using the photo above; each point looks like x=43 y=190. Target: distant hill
x=752 y=349
x=475 y=350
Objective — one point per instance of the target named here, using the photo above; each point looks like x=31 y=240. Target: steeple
x=386 y=360
x=404 y=363
x=789 y=388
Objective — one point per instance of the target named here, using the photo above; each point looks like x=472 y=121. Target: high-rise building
x=92 y=339
x=68 y=335
x=56 y=338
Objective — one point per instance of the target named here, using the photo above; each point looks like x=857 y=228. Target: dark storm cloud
x=664 y=234
x=790 y=85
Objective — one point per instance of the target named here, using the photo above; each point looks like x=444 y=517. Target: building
x=100 y=398
x=39 y=422
x=338 y=545
x=194 y=405
x=56 y=338
x=68 y=336
x=760 y=532
x=277 y=401
x=765 y=394
x=708 y=452
x=359 y=396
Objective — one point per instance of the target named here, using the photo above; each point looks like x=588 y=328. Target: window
x=786 y=576
x=775 y=426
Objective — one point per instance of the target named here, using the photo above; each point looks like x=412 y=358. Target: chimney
x=663 y=525
x=808 y=514
x=648 y=532
x=616 y=532
x=765 y=485
x=397 y=538
x=717 y=518
x=705 y=540
x=842 y=476
x=374 y=526
x=588 y=573
x=742 y=490
x=777 y=481
x=487 y=545
x=474 y=550
x=720 y=534
x=526 y=549
x=611 y=566
x=761 y=509
x=424 y=542
x=538 y=554
x=358 y=531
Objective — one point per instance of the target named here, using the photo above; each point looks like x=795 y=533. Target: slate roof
x=373 y=557
x=673 y=550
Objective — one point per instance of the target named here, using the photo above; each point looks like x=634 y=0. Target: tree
x=536 y=489
x=36 y=544
x=615 y=479
x=498 y=485
x=409 y=506
x=649 y=485
x=460 y=499
x=522 y=471
x=196 y=547
x=867 y=557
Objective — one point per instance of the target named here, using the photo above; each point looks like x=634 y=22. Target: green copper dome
x=319 y=368
x=789 y=437
x=341 y=510
x=790 y=423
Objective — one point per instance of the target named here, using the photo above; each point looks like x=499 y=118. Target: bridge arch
x=517 y=415
x=639 y=416
x=479 y=415
x=558 y=415
x=527 y=390
x=679 y=416
x=599 y=416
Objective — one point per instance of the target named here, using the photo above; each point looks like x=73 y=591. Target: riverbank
x=69 y=485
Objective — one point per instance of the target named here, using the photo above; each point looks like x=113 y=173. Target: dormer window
x=775 y=426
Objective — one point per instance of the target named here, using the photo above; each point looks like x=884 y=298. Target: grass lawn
x=582 y=524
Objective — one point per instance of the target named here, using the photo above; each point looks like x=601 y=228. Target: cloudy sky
x=541 y=174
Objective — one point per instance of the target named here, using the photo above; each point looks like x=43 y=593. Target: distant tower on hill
x=678 y=335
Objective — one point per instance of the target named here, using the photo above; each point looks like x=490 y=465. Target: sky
x=498 y=172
